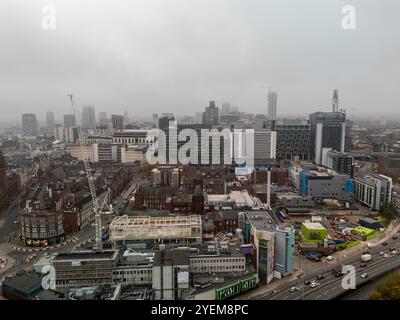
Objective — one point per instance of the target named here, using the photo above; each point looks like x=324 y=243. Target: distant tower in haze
x=29 y=125
x=226 y=108
x=50 y=122
x=3 y=171
x=272 y=105
x=126 y=117
x=89 y=117
x=102 y=117
x=335 y=100
x=155 y=120
x=211 y=114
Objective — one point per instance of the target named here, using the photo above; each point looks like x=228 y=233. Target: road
x=330 y=287
x=7 y=219
x=334 y=289
x=7 y=227
x=345 y=257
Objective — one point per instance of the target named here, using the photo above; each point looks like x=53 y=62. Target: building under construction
x=166 y=230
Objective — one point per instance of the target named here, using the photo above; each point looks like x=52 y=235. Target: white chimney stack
x=269 y=189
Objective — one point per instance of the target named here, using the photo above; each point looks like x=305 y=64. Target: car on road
x=321 y=277
x=381 y=253
x=384 y=243
x=307 y=282
x=364 y=275
x=365 y=252
x=275 y=291
x=314 y=284
x=386 y=255
x=317 y=259
x=363 y=265
x=329 y=258
x=293 y=289
x=394 y=252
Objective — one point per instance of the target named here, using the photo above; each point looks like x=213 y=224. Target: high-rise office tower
x=211 y=115
x=164 y=119
x=155 y=120
x=69 y=120
x=117 y=122
x=226 y=108
x=102 y=117
x=50 y=122
x=29 y=125
x=272 y=105
x=328 y=130
x=264 y=144
x=335 y=101
x=58 y=132
x=126 y=117
x=3 y=172
x=293 y=139
x=88 y=117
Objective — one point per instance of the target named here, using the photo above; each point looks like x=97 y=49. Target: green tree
x=389 y=289
x=390 y=212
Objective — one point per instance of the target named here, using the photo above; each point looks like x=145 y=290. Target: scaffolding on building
x=179 y=228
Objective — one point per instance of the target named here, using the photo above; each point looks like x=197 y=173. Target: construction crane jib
x=96 y=208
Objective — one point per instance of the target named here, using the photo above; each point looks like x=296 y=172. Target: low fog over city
x=175 y=56
x=198 y=151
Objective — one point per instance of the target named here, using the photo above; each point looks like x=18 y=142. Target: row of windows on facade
x=221 y=260
x=42 y=220
x=219 y=268
x=41 y=235
x=41 y=229
x=130 y=140
x=145 y=271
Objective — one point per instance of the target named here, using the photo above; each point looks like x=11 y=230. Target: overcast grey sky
x=175 y=55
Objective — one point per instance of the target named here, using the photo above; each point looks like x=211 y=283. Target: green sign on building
x=235 y=288
x=228 y=291
x=249 y=283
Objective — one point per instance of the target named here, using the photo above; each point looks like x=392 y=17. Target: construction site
x=169 y=229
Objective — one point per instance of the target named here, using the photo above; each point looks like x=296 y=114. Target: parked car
x=364 y=275
x=293 y=289
x=307 y=282
x=394 y=237
x=321 y=277
x=317 y=259
x=384 y=243
x=329 y=258
x=363 y=265
x=386 y=255
x=314 y=284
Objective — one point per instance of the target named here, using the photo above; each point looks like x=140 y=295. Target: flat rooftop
x=314 y=226
x=26 y=282
x=261 y=220
x=81 y=256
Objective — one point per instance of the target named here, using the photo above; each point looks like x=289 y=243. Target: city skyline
x=218 y=56
x=199 y=151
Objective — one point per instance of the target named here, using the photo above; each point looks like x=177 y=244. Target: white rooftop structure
x=178 y=229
